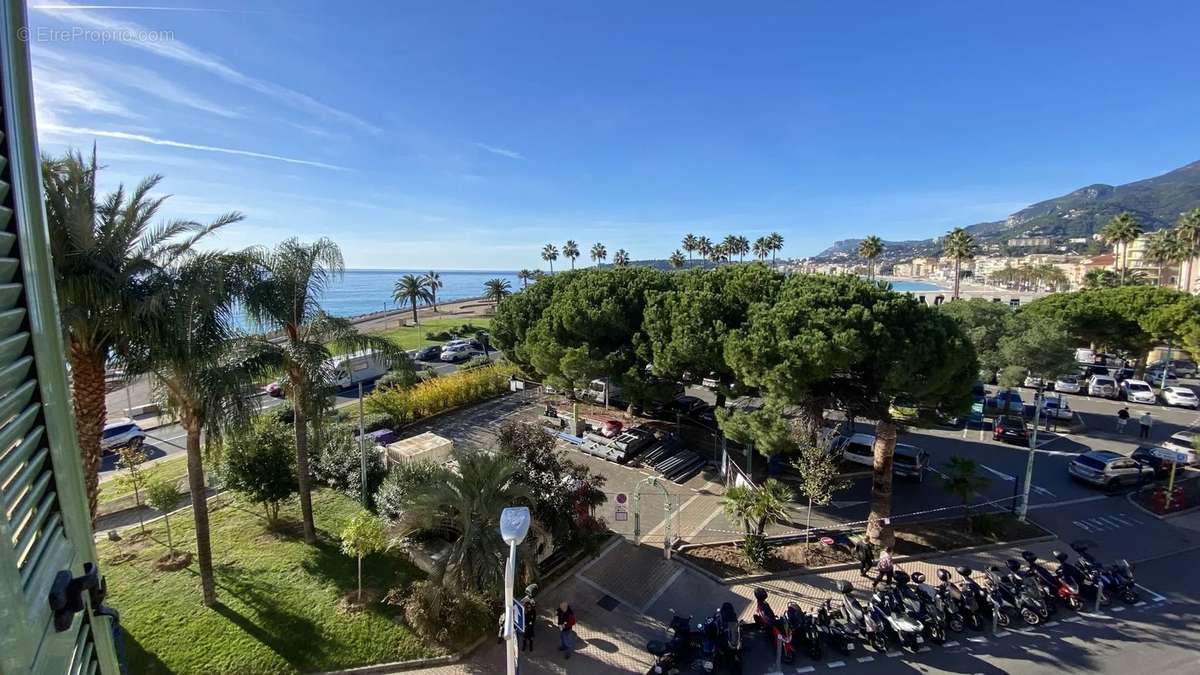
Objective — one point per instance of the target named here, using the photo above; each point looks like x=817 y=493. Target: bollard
x=1099 y=592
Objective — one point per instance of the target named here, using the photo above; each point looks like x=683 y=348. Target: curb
x=1163 y=517
x=1166 y=555
x=841 y=567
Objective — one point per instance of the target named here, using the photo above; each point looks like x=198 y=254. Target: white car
x=1137 y=391
x=1102 y=385
x=1032 y=382
x=456 y=353
x=1181 y=397
x=1057 y=408
x=121 y=433
x=907 y=460
x=1067 y=384
x=1185 y=442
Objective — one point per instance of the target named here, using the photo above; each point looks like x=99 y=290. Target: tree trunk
x=87 y=390
x=882 y=534
x=137 y=500
x=302 y=475
x=360 y=579
x=199 y=509
x=170 y=543
x=957 y=276
x=807 y=529
x=414 y=309
x=433 y=298
x=807 y=425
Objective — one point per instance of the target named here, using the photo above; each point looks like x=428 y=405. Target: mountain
x=1156 y=202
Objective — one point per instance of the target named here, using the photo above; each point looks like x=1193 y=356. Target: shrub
x=405 y=377
x=260 y=463
x=362 y=536
x=446 y=614
x=338 y=464
x=162 y=494
x=400 y=482
x=372 y=421
x=476 y=362
x=434 y=396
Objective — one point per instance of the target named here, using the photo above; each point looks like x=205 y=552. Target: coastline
x=966 y=290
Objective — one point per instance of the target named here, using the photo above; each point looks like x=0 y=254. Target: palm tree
x=1187 y=232
x=570 y=250
x=704 y=247
x=870 y=249
x=762 y=248
x=1121 y=231
x=757 y=508
x=677 y=260
x=1164 y=248
x=497 y=289
x=550 y=254
x=599 y=253
x=962 y=479
x=776 y=240
x=412 y=288
x=524 y=276
x=466 y=505
x=284 y=301
x=959 y=245
x=621 y=258
x=743 y=247
x=730 y=245
x=102 y=255
x=189 y=345
x=433 y=281
x=690 y=244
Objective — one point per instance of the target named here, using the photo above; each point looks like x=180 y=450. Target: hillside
x=1157 y=202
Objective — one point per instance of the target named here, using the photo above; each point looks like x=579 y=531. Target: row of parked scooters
x=905 y=614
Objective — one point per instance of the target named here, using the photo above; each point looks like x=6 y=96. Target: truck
x=348 y=370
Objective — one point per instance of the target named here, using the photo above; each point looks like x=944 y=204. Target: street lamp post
x=1037 y=409
x=514 y=525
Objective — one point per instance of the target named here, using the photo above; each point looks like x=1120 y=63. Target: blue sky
x=466 y=135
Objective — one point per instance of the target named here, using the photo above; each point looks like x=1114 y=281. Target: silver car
x=1109 y=469
x=120 y=434
x=1103 y=386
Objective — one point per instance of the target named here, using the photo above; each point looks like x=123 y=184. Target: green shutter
x=44 y=523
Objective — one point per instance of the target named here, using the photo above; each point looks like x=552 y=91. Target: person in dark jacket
x=865 y=555
x=530 y=606
x=566 y=626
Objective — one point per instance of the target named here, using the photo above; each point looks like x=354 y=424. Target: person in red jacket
x=566 y=625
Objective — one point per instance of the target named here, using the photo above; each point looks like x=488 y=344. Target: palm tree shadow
x=292 y=636
x=141 y=660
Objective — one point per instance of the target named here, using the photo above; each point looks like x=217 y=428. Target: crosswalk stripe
x=836 y=664
x=866 y=659
x=952 y=643
x=805 y=669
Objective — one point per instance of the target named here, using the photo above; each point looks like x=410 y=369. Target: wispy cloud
x=503 y=152
x=59 y=90
x=180 y=51
x=140 y=138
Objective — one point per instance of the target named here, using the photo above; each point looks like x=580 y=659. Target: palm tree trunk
x=957 y=275
x=87 y=390
x=1124 y=261
x=433 y=298
x=196 y=485
x=880 y=533
x=414 y=308
x=302 y=475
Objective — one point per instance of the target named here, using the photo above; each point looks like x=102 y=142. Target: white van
x=348 y=370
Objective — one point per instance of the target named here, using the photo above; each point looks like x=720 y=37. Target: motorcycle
x=676 y=649
x=1003 y=605
x=1026 y=597
x=1031 y=591
x=1054 y=584
x=952 y=600
x=729 y=639
x=897 y=623
x=833 y=631
x=803 y=631
x=764 y=616
x=1086 y=577
x=932 y=611
x=861 y=620
x=974 y=600
x=1117 y=578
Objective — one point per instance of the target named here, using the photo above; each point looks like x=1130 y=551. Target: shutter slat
x=9 y=295
x=12 y=347
x=81 y=648
x=24 y=507
x=12 y=375
x=23 y=478
x=10 y=321
x=18 y=431
x=53 y=532
x=24 y=545
x=8 y=268
x=92 y=668
x=87 y=656
x=7 y=239
x=9 y=405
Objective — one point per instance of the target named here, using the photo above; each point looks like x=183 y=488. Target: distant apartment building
x=1030 y=242
x=1169 y=275
x=902 y=269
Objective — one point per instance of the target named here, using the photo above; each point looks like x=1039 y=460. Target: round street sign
x=620 y=497
x=828 y=541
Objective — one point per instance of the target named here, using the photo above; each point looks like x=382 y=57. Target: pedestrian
x=566 y=628
x=530 y=607
x=500 y=632
x=1122 y=419
x=1146 y=421
x=865 y=555
x=886 y=567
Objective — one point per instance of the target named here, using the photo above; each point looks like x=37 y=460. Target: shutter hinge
x=66 y=594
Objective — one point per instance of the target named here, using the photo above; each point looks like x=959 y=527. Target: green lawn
x=173 y=468
x=277 y=610
x=409 y=338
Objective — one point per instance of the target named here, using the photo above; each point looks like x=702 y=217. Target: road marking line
x=1002 y=633
x=805 y=669
x=1157 y=597
x=836 y=664
x=952 y=643
x=657 y=594
x=1073 y=619
x=1068 y=502
x=924 y=648
x=1118 y=609
x=1092 y=615
x=894 y=653
x=999 y=474
x=1080 y=525
x=1139 y=603
x=866 y=659
x=978 y=640
x=1050 y=624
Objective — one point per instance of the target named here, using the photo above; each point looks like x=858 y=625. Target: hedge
x=433 y=396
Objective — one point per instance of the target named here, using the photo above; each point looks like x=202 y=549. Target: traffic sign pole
x=1170 y=488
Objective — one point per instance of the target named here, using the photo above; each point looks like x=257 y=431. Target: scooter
x=834 y=632
x=764 y=616
x=1001 y=603
x=957 y=614
x=1030 y=592
x=898 y=625
x=1085 y=577
x=861 y=620
x=1018 y=598
x=676 y=649
x=974 y=599
x=1118 y=578
x=729 y=645
x=803 y=631
x=1055 y=584
x=933 y=610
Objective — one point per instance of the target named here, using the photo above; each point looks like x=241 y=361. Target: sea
x=361 y=292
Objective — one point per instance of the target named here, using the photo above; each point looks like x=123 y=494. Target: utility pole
x=362 y=449
x=1037 y=409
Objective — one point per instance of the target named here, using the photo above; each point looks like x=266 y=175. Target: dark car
x=431 y=353
x=1123 y=374
x=1143 y=455
x=1010 y=429
x=1089 y=371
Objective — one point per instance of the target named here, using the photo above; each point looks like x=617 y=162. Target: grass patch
x=915 y=538
x=170 y=469
x=278 y=597
x=408 y=337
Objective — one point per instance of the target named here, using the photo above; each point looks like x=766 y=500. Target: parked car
x=1032 y=382
x=275 y=389
x=1179 y=367
x=1102 y=386
x=907 y=460
x=1156 y=375
x=120 y=434
x=1092 y=371
x=430 y=353
x=1067 y=384
x=1144 y=454
x=1181 y=397
x=1007 y=401
x=1056 y=407
x=1183 y=441
x=1109 y=469
x=1137 y=391
x=1010 y=428
x=459 y=352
